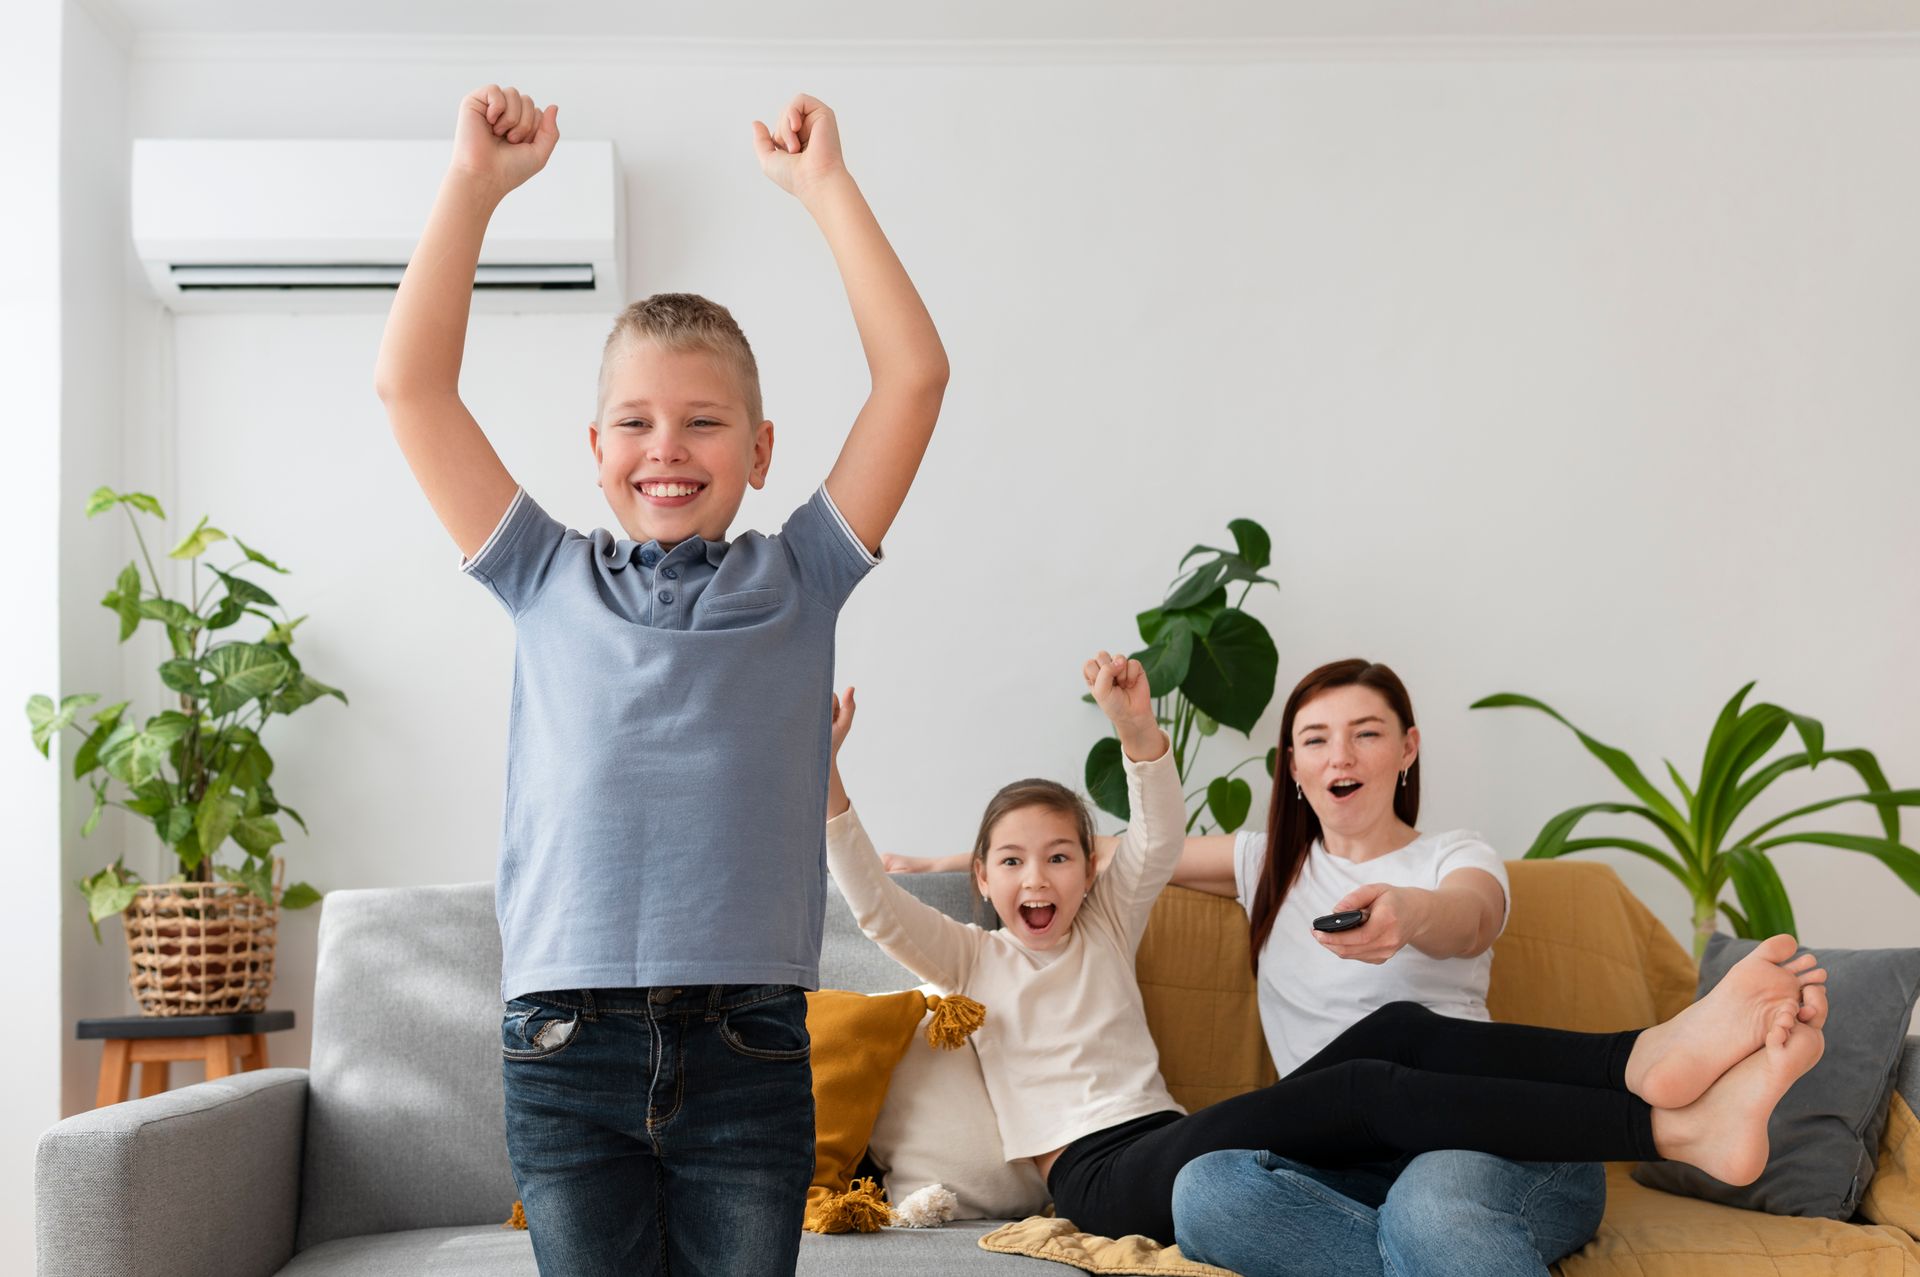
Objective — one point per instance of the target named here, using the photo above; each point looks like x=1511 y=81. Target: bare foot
x=1674 y=1063
x=1724 y=1132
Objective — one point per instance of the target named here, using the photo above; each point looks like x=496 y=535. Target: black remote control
x=1346 y=920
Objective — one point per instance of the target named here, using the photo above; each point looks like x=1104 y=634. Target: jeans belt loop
x=586 y=998
x=713 y=1003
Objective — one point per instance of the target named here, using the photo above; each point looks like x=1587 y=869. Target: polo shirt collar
x=627 y=551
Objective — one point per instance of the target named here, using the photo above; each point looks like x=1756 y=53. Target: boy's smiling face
x=674 y=446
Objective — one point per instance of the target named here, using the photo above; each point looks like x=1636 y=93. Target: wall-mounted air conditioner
x=293 y=225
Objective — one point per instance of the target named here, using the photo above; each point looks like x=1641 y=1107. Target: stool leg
x=153 y=1076
x=116 y=1071
x=256 y=1055
x=219 y=1055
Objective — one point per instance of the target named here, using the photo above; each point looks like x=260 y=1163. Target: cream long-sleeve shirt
x=1065 y=1050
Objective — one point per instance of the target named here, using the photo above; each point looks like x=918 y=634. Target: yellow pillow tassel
x=862 y=1208
x=519 y=1218
x=954 y=1020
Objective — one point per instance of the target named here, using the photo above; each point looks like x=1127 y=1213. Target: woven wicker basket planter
x=200 y=948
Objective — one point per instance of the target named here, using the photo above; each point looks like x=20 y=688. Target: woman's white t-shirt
x=1307 y=995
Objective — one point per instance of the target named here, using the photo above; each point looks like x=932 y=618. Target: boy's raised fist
x=501 y=138
x=802 y=147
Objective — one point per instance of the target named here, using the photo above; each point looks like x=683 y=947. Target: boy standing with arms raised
x=661 y=881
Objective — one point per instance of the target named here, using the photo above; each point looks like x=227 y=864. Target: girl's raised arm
x=913 y=933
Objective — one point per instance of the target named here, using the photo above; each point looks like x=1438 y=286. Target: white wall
x=30 y=652
x=1584 y=374
x=95 y=258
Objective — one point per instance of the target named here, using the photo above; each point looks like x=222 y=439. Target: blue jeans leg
x=1262 y=1215
x=660 y=1130
x=1460 y=1214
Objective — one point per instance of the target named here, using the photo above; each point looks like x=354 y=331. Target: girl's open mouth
x=1038 y=918
x=1343 y=789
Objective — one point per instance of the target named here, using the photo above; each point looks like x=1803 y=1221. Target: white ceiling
x=945 y=21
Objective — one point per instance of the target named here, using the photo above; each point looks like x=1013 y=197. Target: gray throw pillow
x=1825 y=1135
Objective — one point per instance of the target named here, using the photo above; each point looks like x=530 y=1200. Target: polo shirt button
x=666 y=596
x=672 y=574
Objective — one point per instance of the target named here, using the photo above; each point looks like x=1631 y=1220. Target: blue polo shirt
x=667 y=749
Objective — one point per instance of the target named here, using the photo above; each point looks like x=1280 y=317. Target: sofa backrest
x=404 y=1115
x=404 y=1121
x=1581 y=952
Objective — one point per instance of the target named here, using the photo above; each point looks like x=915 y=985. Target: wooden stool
x=155 y=1041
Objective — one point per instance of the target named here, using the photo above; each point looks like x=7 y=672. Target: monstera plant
x=1209 y=664
x=198 y=772
x=1706 y=854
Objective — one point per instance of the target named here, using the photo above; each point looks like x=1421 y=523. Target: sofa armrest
x=204 y=1179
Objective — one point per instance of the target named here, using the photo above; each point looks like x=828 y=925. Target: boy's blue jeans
x=661 y=1130
x=1446 y=1214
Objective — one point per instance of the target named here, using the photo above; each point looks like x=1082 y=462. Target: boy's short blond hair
x=685 y=321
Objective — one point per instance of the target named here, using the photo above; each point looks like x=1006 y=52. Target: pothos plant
x=1208 y=664
x=199 y=773
x=1706 y=855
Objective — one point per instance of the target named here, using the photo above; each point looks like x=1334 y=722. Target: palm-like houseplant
x=1706 y=854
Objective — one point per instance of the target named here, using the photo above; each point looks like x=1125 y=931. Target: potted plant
x=1207 y=664
x=202 y=941
x=1706 y=854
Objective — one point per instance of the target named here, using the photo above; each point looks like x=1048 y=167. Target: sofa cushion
x=1648 y=1233
x=953 y=1251
x=1581 y=952
x=1893 y=1198
x=857 y=1039
x=405 y=1123
x=937 y=1127
x=1198 y=990
x=1825 y=1133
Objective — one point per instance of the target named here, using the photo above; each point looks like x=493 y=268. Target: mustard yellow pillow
x=858 y=1038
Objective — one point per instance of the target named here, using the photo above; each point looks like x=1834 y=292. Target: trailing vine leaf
x=196 y=542
x=124 y=599
x=257 y=557
x=48 y=721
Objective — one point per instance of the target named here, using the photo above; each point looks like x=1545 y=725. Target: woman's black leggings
x=1403 y=1080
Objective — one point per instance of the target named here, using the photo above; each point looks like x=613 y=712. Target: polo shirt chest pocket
x=740 y=608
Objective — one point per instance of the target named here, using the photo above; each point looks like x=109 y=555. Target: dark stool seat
x=155 y=1041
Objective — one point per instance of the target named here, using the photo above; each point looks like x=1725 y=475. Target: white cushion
x=937 y=1126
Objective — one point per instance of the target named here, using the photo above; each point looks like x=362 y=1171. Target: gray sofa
x=386 y=1158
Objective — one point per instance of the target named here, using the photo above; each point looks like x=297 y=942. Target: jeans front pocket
x=769 y=1025
x=534 y=1028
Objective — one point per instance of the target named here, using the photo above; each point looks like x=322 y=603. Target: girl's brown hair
x=1292 y=825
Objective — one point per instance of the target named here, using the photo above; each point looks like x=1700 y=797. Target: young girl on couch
x=1074 y=1076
